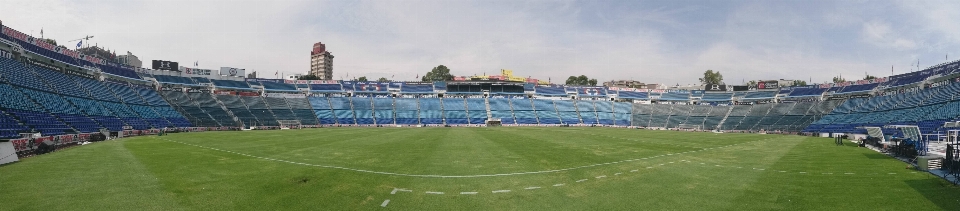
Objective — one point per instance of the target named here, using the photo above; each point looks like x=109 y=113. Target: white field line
x=385 y=202
x=430 y=175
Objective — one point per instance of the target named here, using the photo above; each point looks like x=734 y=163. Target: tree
x=798 y=83
x=581 y=80
x=362 y=79
x=752 y=83
x=383 y=79
x=869 y=77
x=572 y=80
x=838 y=80
x=439 y=73
x=309 y=77
x=712 y=77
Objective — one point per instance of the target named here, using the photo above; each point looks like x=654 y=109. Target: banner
x=306 y=81
x=715 y=87
x=222 y=92
x=20 y=144
x=740 y=88
x=26 y=38
x=194 y=71
x=45 y=65
x=233 y=71
x=5 y=54
x=768 y=84
x=248 y=94
x=163 y=65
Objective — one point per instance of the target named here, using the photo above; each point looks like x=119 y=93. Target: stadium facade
x=56 y=92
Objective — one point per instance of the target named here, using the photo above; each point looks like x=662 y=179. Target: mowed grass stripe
x=101 y=176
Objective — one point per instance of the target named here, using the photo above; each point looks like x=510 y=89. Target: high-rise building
x=321 y=62
x=130 y=60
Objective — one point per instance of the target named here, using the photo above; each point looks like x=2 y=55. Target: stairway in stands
x=224 y=107
x=575 y=108
x=724 y=117
x=443 y=117
x=486 y=102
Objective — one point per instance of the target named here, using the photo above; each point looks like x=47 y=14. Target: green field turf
x=543 y=169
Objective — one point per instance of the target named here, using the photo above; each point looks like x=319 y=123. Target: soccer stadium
x=82 y=132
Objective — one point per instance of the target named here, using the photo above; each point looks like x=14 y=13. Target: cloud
x=650 y=41
x=879 y=34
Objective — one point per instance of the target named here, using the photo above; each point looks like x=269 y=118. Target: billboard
x=740 y=88
x=165 y=65
x=768 y=84
x=232 y=71
x=194 y=71
x=715 y=87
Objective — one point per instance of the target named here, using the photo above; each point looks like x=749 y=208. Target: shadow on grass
x=875 y=155
x=11 y=164
x=939 y=192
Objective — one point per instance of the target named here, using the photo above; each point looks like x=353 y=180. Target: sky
x=668 y=41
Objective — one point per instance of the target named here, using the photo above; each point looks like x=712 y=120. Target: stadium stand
x=260 y=110
x=80 y=96
x=407 y=111
x=587 y=111
x=605 y=114
x=383 y=111
x=622 y=113
x=546 y=112
x=431 y=111
x=500 y=108
x=323 y=110
x=231 y=84
x=476 y=110
x=455 y=111
x=726 y=96
x=523 y=110
x=239 y=110
x=567 y=111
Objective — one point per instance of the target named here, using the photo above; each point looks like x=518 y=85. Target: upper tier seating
x=417 y=88
x=229 y=83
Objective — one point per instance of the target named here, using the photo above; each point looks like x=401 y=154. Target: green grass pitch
x=506 y=168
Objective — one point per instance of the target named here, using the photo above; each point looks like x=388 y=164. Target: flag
x=418 y=76
x=79 y=43
x=276 y=73
x=196 y=63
